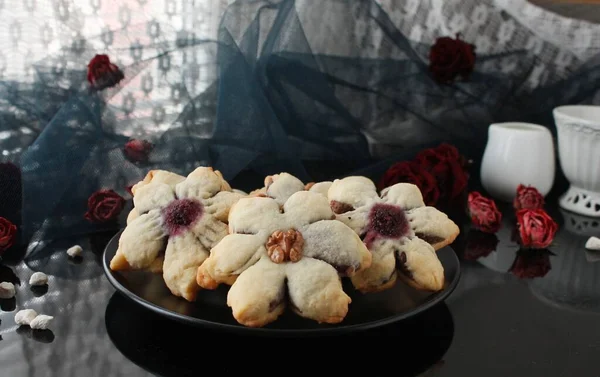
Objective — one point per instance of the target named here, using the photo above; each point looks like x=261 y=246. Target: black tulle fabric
x=275 y=103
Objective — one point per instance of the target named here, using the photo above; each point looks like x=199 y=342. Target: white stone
x=38 y=278
x=75 y=251
x=41 y=322
x=593 y=243
x=25 y=316
x=7 y=290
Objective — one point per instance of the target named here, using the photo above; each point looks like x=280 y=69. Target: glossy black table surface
x=512 y=314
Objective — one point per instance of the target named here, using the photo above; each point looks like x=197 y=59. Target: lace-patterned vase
x=578 y=129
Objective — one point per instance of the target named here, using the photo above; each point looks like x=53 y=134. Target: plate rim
x=439 y=298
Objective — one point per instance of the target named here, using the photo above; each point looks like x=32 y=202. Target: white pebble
x=7 y=290
x=38 y=278
x=74 y=251
x=25 y=316
x=41 y=322
x=593 y=243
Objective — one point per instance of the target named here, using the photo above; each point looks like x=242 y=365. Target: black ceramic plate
x=210 y=309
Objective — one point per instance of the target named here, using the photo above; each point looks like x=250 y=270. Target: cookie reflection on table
x=169 y=348
x=42 y=336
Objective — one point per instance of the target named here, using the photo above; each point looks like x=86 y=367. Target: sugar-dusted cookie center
x=283 y=246
x=181 y=214
x=386 y=221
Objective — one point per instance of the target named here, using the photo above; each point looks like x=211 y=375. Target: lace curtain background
x=263 y=85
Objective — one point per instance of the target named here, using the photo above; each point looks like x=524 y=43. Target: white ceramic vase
x=578 y=129
x=517 y=153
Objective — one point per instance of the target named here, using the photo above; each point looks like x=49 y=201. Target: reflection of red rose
x=447 y=166
x=484 y=214
x=528 y=197
x=136 y=150
x=536 y=228
x=8 y=234
x=102 y=73
x=104 y=205
x=480 y=244
x=450 y=58
x=411 y=172
x=531 y=264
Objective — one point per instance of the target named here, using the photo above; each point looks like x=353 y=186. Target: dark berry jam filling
x=386 y=221
x=180 y=215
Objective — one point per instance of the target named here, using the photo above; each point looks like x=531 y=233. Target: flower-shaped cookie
x=400 y=231
x=175 y=222
x=277 y=254
x=281 y=186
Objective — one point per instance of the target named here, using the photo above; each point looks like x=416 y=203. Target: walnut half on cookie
x=401 y=232
x=178 y=220
x=291 y=255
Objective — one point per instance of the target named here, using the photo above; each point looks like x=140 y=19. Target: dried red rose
x=484 y=214
x=450 y=58
x=8 y=234
x=104 y=205
x=411 y=172
x=480 y=244
x=528 y=197
x=536 y=228
x=448 y=167
x=137 y=150
x=530 y=264
x=102 y=73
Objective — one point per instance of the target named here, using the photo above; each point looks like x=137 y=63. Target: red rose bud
x=450 y=58
x=8 y=234
x=102 y=73
x=137 y=150
x=484 y=214
x=536 y=228
x=447 y=165
x=530 y=264
x=528 y=197
x=480 y=244
x=104 y=205
x=411 y=172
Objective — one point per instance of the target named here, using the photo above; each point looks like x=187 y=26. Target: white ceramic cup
x=578 y=129
x=517 y=153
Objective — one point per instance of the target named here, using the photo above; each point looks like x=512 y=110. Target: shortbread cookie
x=401 y=232
x=294 y=253
x=156 y=176
x=281 y=186
x=178 y=219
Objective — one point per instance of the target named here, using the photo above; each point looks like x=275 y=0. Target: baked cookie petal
x=209 y=231
x=357 y=219
x=202 y=183
x=405 y=195
x=183 y=256
x=234 y=254
x=350 y=193
x=133 y=214
x=154 y=195
x=281 y=186
x=315 y=291
x=433 y=226
x=141 y=242
x=333 y=242
x=380 y=276
x=419 y=266
x=321 y=187
x=220 y=204
x=305 y=207
x=251 y=215
x=258 y=295
x=159 y=176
